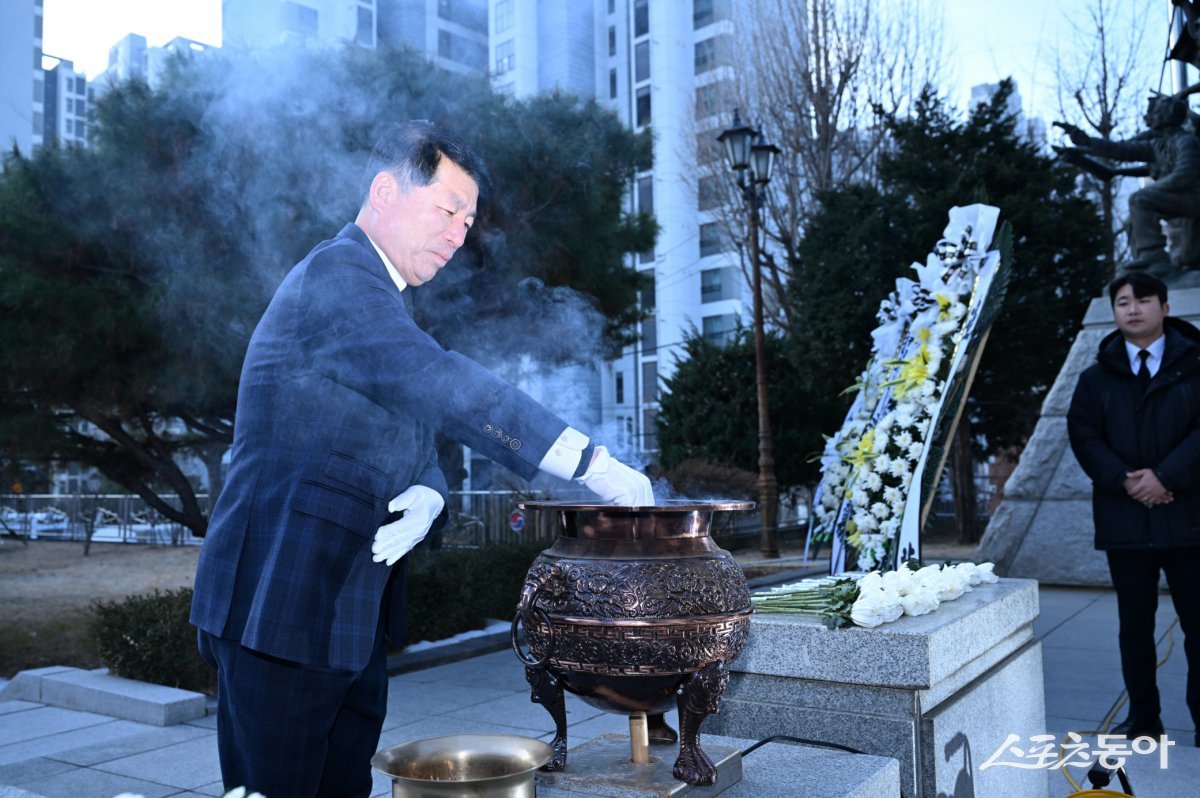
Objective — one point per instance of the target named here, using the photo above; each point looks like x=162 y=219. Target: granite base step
x=100 y=692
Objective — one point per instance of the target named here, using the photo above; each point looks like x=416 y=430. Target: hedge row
x=148 y=637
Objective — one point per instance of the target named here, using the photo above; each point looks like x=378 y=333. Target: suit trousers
x=1135 y=574
x=293 y=731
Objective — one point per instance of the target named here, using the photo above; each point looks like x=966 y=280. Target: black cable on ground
x=801 y=741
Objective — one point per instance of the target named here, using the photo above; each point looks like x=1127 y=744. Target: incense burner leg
x=548 y=691
x=658 y=730
x=699 y=697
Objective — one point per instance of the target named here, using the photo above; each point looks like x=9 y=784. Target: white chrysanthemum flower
x=914 y=451
x=880 y=510
x=873 y=482
x=859 y=498
x=919 y=602
x=986 y=574
x=900 y=469
x=893 y=496
x=881 y=464
x=904 y=439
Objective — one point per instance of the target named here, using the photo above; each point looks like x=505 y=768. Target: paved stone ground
x=59 y=753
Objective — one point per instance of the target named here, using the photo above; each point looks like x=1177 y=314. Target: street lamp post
x=746 y=152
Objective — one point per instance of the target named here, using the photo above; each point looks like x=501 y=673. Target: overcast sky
x=988 y=39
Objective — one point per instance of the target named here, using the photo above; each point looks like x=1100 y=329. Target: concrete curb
x=452 y=652
x=100 y=692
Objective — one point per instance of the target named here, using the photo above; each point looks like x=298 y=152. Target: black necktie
x=1143 y=372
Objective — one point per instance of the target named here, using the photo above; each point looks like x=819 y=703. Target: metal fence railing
x=476 y=518
x=114 y=518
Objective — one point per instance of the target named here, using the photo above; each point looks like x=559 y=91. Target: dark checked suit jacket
x=339 y=399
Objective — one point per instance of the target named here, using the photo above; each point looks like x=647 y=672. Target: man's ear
x=1166 y=308
x=383 y=185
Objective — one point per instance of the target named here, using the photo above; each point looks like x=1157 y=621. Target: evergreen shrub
x=148 y=638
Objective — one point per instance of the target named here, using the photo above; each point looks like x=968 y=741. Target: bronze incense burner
x=634 y=609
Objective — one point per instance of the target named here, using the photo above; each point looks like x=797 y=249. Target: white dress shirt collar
x=395 y=275
x=1156 y=354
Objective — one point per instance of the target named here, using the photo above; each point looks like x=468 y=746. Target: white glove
x=617 y=483
x=420 y=505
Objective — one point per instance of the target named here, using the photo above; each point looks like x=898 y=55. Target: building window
x=300 y=20
x=80 y=86
x=506 y=59
x=365 y=36
x=643 y=106
x=612 y=40
x=504 y=15
x=70 y=106
x=650 y=430
x=641 y=17
x=650 y=381
x=649 y=334
x=649 y=296
x=706 y=12
x=645 y=201
x=612 y=6
x=462 y=50
x=620 y=387
x=711 y=99
x=612 y=84
x=708 y=193
x=641 y=62
x=710 y=285
x=720 y=329
x=713 y=239
x=711 y=53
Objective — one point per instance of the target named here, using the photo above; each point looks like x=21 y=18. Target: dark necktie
x=1143 y=373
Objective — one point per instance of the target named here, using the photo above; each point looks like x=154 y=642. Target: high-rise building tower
x=453 y=33
x=662 y=65
x=21 y=75
x=65 y=105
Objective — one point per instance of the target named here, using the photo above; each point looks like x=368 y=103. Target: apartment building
x=666 y=66
x=452 y=32
x=21 y=109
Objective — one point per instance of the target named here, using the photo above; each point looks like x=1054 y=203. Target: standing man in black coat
x=1134 y=425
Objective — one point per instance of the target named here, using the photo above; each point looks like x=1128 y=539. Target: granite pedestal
x=601 y=768
x=940 y=693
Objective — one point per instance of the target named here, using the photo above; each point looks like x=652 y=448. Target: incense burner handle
x=528 y=610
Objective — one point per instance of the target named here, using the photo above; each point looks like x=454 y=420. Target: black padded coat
x=1115 y=428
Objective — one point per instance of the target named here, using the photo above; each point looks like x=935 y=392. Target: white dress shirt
x=1156 y=355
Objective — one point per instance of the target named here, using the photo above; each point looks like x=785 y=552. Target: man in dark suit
x=341 y=393
x=1134 y=424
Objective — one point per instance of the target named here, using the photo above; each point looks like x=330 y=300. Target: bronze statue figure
x=1170 y=151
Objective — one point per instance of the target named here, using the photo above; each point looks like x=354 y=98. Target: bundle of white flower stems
x=874 y=598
